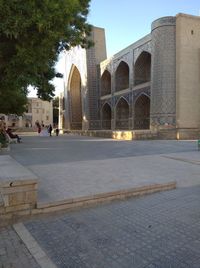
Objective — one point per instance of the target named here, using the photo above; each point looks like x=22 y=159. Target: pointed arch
x=122 y=114
x=142 y=69
x=75 y=99
x=142 y=112
x=122 y=76
x=106 y=83
x=106 y=115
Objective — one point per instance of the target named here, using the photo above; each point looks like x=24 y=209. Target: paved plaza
x=156 y=231
x=74 y=166
x=13 y=252
x=161 y=230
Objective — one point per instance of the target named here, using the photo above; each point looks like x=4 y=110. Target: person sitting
x=3 y=135
x=12 y=135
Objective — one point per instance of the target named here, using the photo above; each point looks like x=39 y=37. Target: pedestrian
x=50 y=129
x=57 y=131
x=38 y=126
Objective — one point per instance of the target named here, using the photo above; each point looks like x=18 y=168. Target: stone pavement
x=74 y=166
x=13 y=252
x=155 y=231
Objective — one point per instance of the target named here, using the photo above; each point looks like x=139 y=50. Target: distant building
x=37 y=110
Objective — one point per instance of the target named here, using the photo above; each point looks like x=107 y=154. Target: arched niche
x=106 y=115
x=122 y=114
x=122 y=76
x=142 y=112
x=106 y=83
x=142 y=68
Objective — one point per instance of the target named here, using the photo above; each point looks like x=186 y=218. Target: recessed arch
x=106 y=83
x=106 y=115
x=122 y=114
x=75 y=99
x=142 y=68
x=122 y=76
x=142 y=112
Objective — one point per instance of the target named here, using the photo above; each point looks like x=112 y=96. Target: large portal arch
x=142 y=112
x=122 y=114
x=142 y=69
x=106 y=116
x=75 y=99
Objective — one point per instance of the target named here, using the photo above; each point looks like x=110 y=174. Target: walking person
x=38 y=126
x=57 y=131
x=50 y=129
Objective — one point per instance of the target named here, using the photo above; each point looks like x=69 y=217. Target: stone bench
x=17 y=198
x=18 y=189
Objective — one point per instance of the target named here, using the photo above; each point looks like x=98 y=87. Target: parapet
x=164 y=21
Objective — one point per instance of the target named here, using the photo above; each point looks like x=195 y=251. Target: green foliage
x=3 y=140
x=32 y=34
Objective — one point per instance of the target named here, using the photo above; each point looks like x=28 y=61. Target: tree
x=32 y=34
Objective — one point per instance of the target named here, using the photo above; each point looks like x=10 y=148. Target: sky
x=127 y=21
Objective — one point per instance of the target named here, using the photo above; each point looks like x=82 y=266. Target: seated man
x=3 y=135
x=12 y=135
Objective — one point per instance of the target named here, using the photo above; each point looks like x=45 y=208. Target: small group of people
x=6 y=133
x=12 y=135
x=45 y=130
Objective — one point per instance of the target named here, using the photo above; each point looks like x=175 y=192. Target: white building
x=37 y=110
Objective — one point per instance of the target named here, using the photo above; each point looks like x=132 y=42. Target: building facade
x=153 y=84
x=40 y=111
x=37 y=110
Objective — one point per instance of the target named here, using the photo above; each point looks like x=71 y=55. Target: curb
x=36 y=251
x=101 y=198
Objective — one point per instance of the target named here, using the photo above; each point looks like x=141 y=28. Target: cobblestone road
x=156 y=231
x=13 y=253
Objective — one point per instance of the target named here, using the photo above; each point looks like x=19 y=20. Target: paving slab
x=10 y=169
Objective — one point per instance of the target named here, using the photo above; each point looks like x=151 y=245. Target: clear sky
x=127 y=21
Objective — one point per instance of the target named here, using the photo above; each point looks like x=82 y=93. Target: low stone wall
x=92 y=200
x=162 y=134
x=17 y=198
x=167 y=134
x=118 y=135
x=188 y=133
x=144 y=135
